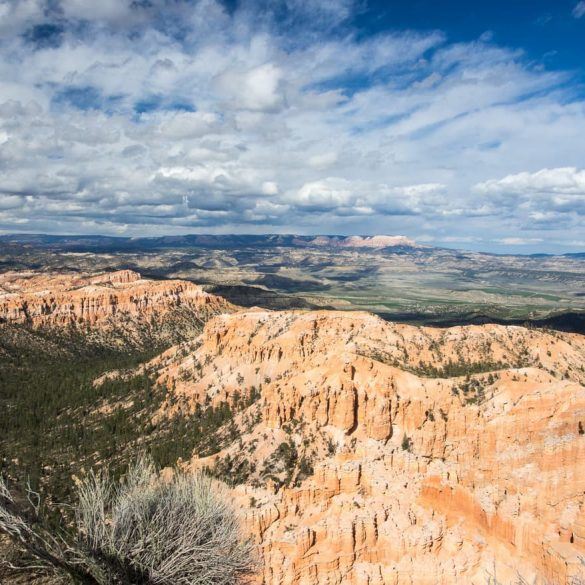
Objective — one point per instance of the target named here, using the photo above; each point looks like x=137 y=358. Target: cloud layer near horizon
x=168 y=116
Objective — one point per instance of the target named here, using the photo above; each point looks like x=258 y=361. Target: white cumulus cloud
x=150 y=117
x=565 y=180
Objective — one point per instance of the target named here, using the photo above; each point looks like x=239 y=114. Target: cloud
x=579 y=9
x=567 y=181
x=546 y=199
x=105 y=10
x=258 y=89
x=560 y=190
x=518 y=241
x=188 y=125
x=11 y=201
x=344 y=197
x=150 y=117
x=323 y=160
x=17 y=15
x=325 y=195
x=213 y=179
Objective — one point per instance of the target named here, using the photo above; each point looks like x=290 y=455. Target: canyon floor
x=359 y=450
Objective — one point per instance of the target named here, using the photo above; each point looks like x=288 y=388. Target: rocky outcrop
x=420 y=455
x=363 y=452
x=120 y=301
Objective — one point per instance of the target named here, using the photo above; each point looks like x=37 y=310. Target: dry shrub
x=142 y=530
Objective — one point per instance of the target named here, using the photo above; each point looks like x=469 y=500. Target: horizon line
x=441 y=246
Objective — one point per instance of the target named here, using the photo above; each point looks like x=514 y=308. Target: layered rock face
x=119 y=301
x=363 y=452
x=382 y=454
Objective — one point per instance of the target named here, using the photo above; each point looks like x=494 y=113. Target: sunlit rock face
x=120 y=301
x=361 y=451
x=420 y=455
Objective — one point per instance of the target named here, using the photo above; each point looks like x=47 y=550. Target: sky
x=458 y=124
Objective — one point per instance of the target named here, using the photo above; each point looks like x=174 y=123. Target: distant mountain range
x=212 y=241
x=230 y=241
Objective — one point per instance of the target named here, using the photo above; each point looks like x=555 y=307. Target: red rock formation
x=357 y=241
x=419 y=477
x=120 y=300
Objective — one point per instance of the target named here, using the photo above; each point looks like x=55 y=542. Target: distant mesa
x=358 y=241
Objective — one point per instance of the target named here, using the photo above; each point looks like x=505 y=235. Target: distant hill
x=208 y=241
x=95 y=243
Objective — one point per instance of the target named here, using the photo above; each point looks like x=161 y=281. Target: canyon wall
x=361 y=452
x=121 y=305
x=420 y=455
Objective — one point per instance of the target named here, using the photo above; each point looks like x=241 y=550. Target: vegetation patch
x=142 y=530
x=55 y=422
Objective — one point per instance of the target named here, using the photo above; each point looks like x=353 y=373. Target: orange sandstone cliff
x=361 y=452
x=380 y=453
x=121 y=302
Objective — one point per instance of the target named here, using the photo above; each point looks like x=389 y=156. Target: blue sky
x=457 y=124
x=547 y=30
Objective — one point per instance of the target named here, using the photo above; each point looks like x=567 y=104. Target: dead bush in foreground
x=140 y=531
